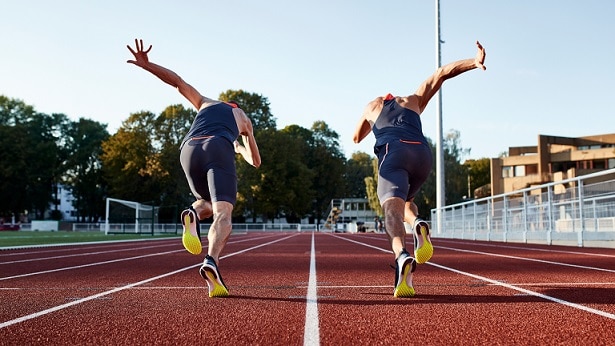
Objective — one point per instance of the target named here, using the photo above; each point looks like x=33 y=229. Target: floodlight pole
x=440 y=174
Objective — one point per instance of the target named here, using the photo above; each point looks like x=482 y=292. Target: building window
x=507 y=172
x=531 y=169
x=599 y=164
x=519 y=171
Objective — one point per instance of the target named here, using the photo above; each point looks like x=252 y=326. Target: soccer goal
x=123 y=216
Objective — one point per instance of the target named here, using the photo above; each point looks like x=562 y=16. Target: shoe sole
x=190 y=238
x=425 y=251
x=403 y=290
x=216 y=288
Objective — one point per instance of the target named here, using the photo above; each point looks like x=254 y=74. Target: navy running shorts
x=403 y=167
x=209 y=165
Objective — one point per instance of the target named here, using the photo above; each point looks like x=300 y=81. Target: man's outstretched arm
x=166 y=75
x=432 y=84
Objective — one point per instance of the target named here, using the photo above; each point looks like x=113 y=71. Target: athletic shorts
x=403 y=167
x=209 y=165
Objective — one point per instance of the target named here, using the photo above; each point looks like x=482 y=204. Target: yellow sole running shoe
x=404 y=266
x=423 y=249
x=209 y=272
x=191 y=235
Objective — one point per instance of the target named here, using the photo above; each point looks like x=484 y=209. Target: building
x=345 y=211
x=64 y=204
x=553 y=159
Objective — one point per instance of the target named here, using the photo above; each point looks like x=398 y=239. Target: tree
x=255 y=106
x=282 y=184
x=251 y=198
x=328 y=164
x=131 y=166
x=31 y=158
x=371 y=189
x=84 y=168
x=479 y=177
x=170 y=128
x=358 y=167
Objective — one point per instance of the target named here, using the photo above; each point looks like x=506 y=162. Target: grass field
x=23 y=238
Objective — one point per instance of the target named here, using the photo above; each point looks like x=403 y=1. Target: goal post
x=119 y=211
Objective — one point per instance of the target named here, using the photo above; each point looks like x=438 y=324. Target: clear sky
x=549 y=63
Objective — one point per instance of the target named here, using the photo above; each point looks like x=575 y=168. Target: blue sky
x=549 y=63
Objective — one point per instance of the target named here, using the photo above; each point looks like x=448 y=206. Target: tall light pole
x=440 y=192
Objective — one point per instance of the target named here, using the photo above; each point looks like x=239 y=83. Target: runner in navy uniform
x=208 y=159
x=404 y=161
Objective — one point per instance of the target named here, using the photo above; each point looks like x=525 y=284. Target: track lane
x=462 y=295
x=478 y=299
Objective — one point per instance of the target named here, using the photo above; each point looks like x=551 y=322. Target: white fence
x=161 y=228
x=578 y=211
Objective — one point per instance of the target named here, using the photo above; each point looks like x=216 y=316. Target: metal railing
x=166 y=228
x=578 y=211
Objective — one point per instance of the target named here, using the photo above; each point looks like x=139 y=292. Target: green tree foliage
x=371 y=189
x=327 y=161
x=302 y=169
x=32 y=158
x=358 y=167
x=455 y=171
x=84 y=168
x=131 y=165
x=479 y=173
x=170 y=128
x=281 y=186
x=255 y=106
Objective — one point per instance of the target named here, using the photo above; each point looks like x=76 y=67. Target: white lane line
x=528 y=259
x=82 y=254
x=528 y=292
x=311 y=335
x=87 y=265
x=105 y=262
x=118 y=289
x=525 y=248
x=512 y=287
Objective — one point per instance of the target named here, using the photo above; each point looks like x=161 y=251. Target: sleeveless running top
x=396 y=122
x=217 y=120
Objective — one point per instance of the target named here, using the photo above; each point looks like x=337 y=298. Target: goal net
x=123 y=216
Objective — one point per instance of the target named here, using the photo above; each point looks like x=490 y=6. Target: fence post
x=581 y=214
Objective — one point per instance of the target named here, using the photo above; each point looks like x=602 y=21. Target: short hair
x=233 y=102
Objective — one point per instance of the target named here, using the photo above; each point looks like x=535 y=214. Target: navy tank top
x=396 y=122
x=217 y=120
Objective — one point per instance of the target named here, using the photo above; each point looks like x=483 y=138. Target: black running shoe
x=209 y=271
x=404 y=267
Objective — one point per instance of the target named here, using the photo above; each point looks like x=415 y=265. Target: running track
x=310 y=289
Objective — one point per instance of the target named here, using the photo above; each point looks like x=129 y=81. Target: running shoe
x=191 y=238
x=404 y=267
x=209 y=272
x=423 y=249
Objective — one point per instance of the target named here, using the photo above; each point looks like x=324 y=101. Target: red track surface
x=149 y=292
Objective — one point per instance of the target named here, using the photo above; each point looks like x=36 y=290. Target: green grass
x=23 y=238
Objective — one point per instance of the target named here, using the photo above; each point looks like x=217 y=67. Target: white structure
x=65 y=206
